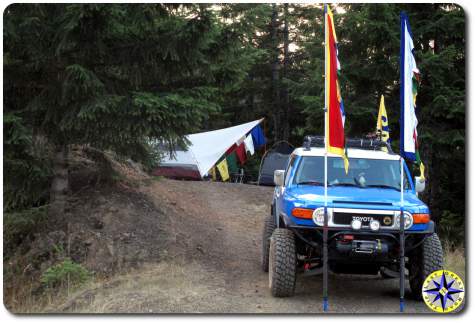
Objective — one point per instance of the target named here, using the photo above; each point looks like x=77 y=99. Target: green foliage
x=65 y=273
x=119 y=76
x=112 y=77
x=150 y=157
x=26 y=166
x=20 y=224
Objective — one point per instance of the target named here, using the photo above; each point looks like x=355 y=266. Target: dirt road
x=210 y=263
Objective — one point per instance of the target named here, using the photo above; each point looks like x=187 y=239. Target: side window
x=291 y=164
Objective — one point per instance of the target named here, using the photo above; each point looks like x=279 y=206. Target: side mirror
x=279 y=177
x=420 y=184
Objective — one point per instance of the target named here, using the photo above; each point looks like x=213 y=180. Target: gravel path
x=211 y=263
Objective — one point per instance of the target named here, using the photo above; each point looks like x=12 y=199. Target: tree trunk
x=285 y=91
x=60 y=183
x=275 y=75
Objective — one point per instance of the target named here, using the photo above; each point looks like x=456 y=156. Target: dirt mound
x=211 y=246
x=108 y=227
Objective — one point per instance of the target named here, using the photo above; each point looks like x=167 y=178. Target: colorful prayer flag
x=223 y=170
x=249 y=144
x=232 y=162
x=382 y=125
x=258 y=136
x=335 y=116
x=409 y=80
x=241 y=153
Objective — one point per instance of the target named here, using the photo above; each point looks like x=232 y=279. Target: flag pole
x=402 y=260
x=325 y=216
x=402 y=269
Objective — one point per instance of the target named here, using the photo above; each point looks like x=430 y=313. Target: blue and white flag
x=409 y=80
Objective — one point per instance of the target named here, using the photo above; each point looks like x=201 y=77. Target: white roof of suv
x=352 y=153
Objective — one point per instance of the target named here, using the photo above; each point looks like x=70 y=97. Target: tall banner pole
x=325 y=216
x=402 y=259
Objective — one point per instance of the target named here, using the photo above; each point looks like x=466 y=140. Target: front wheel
x=426 y=259
x=282 y=263
x=269 y=227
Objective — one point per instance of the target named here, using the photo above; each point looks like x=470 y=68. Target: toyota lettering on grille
x=363 y=219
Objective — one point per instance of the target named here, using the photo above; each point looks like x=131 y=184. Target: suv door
x=279 y=191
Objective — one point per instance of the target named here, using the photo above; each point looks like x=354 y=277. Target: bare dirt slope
x=210 y=263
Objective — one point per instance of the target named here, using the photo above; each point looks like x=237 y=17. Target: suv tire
x=269 y=227
x=426 y=259
x=282 y=263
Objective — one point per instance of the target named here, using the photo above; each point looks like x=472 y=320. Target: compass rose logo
x=443 y=291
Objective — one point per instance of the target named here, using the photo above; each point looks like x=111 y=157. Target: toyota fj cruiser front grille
x=342 y=217
x=345 y=218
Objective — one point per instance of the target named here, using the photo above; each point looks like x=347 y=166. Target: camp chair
x=238 y=177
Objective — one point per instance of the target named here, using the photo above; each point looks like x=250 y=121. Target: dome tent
x=275 y=158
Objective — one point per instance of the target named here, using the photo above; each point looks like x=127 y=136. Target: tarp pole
x=325 y=215
x=402 y=259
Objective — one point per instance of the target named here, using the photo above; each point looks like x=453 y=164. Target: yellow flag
x=223 y=169
x=422 y=169
x=382 y=125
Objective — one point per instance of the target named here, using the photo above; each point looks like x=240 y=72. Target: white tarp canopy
x=206 y=148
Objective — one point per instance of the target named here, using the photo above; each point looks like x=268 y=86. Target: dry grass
x=151 y=289
x=455 y=261
x=24 y=299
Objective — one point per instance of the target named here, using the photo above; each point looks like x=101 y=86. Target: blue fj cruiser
x=363 y=218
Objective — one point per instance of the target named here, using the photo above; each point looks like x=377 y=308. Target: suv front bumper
x=430 y=228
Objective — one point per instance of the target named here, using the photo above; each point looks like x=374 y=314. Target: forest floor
x=194 y=247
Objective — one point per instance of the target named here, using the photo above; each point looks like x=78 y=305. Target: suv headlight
x=408 y=220
x=319 y=216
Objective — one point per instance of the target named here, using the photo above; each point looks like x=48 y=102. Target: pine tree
x=113 y=76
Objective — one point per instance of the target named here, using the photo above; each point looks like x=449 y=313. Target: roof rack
x=368 y=144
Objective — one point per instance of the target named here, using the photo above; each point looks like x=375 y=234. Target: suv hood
x=352 y=197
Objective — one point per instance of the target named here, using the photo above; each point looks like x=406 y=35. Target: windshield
x=362 y=172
